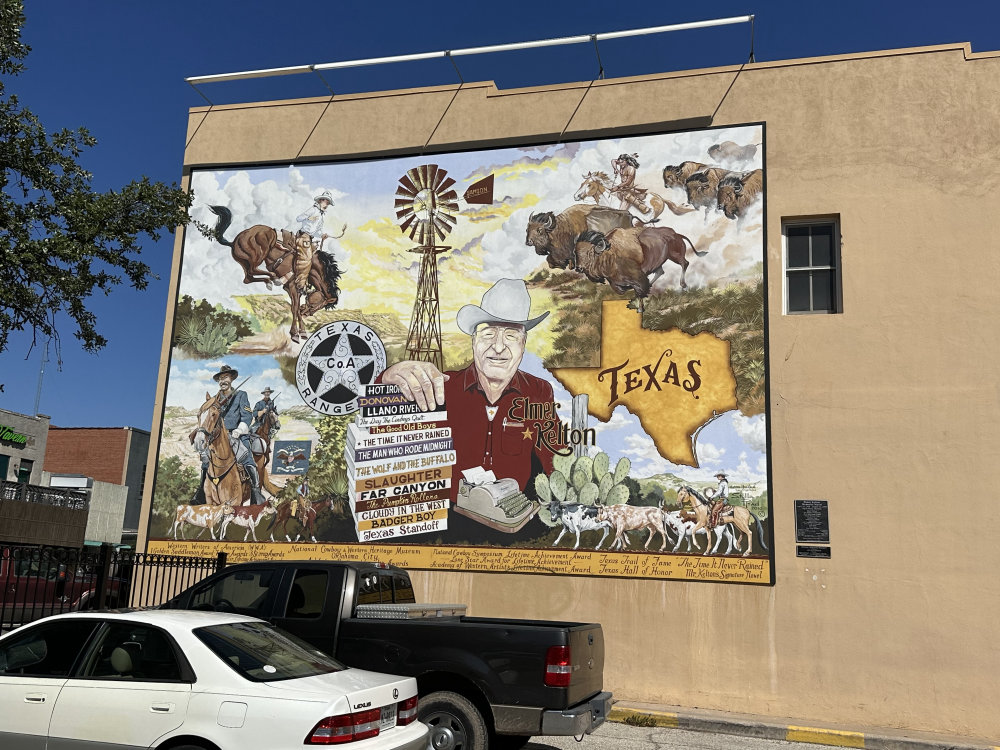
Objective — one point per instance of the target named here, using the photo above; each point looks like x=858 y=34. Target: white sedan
x=191 y=681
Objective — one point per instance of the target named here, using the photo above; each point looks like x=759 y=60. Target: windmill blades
x=440 y=228
x=437 y=177
x=406 y=186
x=405 y=225
x=446 y=217
x=445 y=185
x=416 y=180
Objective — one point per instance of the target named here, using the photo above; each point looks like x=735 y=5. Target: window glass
x=822 y=245
x=245 y=592
x=822 y=288
x=308 y=594
x=264 y=653
x=24 y=471
x=798 y=292
x=812 y=266
x=129 y=651
x=46 y=650
x=374 y=588
x=798 y=246
x=404 y=590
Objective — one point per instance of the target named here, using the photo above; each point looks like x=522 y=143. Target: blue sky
x=118 y=68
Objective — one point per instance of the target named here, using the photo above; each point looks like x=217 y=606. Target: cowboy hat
x=324 y=196
x=507 y=301
x=721 y=474
x=226 y=370
x=267 y=391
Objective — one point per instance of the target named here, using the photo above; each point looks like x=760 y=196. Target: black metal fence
x=40 y=581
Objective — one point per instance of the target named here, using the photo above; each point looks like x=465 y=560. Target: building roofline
x=964 y=47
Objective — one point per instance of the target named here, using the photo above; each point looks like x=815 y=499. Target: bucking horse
x=309 y=278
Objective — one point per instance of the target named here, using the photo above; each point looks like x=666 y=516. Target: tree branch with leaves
x=61 y=241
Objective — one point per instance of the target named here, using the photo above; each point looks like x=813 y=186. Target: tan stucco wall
x=889 y=411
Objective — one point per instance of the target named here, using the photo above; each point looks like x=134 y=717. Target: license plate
x=388 y=720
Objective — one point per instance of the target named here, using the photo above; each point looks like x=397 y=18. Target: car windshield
x=264 y=653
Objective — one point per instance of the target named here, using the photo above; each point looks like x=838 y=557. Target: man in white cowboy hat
x=721 y=499
x=480 y=397
x=236 y=416
x=311 y=220
x=262 y=407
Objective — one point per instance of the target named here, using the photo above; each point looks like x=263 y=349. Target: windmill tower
x=425 y=204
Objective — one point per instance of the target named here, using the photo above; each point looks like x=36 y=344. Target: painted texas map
x=673 y=382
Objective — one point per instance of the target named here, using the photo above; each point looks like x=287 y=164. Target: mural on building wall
x=545 y=358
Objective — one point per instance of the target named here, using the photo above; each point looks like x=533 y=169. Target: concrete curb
x=744 y=725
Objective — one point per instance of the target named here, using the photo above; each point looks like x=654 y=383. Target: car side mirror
x=23 y=655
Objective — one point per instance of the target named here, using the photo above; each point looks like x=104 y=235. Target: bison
x=625 y=258
x=555 y=235
x=732 y=153
x=674 y=176
x=738 y=191
x=703 y=187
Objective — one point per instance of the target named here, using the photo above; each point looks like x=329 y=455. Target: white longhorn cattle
x=247 y=516
x=202 y=516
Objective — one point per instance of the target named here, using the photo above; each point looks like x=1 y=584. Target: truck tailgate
x=586 y=644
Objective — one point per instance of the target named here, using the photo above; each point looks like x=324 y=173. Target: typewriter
x=497 y=503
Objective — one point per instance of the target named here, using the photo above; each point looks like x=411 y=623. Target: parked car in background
x=39 y=583
x=191 y=681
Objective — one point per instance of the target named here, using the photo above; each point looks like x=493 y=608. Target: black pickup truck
x=484 y=683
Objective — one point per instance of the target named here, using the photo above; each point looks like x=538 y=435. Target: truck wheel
x=454 y=722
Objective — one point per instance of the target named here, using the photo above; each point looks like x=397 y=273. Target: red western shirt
x=506 y=443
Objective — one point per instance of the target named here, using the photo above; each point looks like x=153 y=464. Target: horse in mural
x=307 y=519
x=222 y=482
x=737 y=515
x=290 y=261
x=646 y=204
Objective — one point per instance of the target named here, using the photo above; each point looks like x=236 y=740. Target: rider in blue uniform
x=236 y=416
x=260 y=410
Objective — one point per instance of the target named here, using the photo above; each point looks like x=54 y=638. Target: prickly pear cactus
x=563 y=464
x=571 y=496
x=617 y=495
x=622 y=469
x=601 y=462
x=589 y=493
x=557 y=485
x=607 y=482
x=542 y=489
x=584 y=465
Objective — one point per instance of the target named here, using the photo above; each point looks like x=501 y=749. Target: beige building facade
x=888 y=409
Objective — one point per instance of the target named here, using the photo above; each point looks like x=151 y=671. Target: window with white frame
x=812 y=266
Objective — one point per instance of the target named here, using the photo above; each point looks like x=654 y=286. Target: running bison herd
x=624 y=246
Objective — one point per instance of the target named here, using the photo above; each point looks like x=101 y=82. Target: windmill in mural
x=425 y=207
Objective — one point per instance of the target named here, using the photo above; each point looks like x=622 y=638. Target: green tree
x=61 y=240
x=175 y=484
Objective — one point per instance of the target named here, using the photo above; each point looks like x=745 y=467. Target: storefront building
x=848 y=406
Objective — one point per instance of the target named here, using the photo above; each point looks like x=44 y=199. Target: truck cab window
x=308 y=592
x=245 y=592
x=374 y=588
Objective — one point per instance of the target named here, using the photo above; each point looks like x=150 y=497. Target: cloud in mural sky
x=527 y=180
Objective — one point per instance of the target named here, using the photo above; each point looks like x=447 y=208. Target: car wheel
x=508 y=741
x=454 y=722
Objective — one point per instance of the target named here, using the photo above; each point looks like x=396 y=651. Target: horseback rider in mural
x=301 y=503
x=236 y=417
x=260 y=411
x=629 y=194
x=721 y=500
